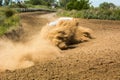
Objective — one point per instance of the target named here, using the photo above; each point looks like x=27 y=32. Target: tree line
x=84 y=4
x=66 y=4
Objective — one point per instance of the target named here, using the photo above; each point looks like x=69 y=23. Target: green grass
x=8 y=19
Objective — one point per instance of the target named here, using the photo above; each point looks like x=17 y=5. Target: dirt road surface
x=98 y=59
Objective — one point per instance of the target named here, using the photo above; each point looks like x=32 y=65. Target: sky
x=97 y=2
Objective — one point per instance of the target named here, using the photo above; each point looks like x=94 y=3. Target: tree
x=36 y=2
x=70 y=5
x=48 y=2
x=63 y=3
x=5 y=2
x=0 y=2
x=106 y=5
x=78 y=4
x=41 y=2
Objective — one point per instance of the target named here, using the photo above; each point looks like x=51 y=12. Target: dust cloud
x=44 y=46
x=66 y=31
x=22 y=55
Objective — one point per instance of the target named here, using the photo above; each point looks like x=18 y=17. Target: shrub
x=102 y=14
x=9 y=12
x=70 y=6
x=109 y=14
x=106 y=5
x=8 y=19
x=78 y=5
x=18 y=5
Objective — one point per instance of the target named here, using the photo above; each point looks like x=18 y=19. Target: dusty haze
x=14 y=55
x=21 y=55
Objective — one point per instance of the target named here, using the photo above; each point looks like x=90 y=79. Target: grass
x=8 y=19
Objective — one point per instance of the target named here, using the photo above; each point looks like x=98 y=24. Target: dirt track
x=98 y=59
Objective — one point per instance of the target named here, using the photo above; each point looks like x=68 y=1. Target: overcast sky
x=97 y=2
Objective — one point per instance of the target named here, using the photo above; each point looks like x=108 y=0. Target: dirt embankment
x=98 y=59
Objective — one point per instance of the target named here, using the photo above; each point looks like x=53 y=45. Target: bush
x=106 y=5
x=18 y=5
x=78 y=5
x=97 y=13
x=9 y=12
x=8 y=19
x=102 y=14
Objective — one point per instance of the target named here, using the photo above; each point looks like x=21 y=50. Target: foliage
x=37 y=6
x=8 y=19
x=36 y=2
x=6 y=2
x=0 y=2
x=41 y=2
x=102 y=14
x=106 y=5
x=63 y=3
x=18 y=5
x=70 y=5
x=72 y=13
x=9 y=12
x=78 y=5
x=82 y=9
x=75 y=4
x=96 y=13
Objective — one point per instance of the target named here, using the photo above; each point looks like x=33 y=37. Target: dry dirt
x=98 y=59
